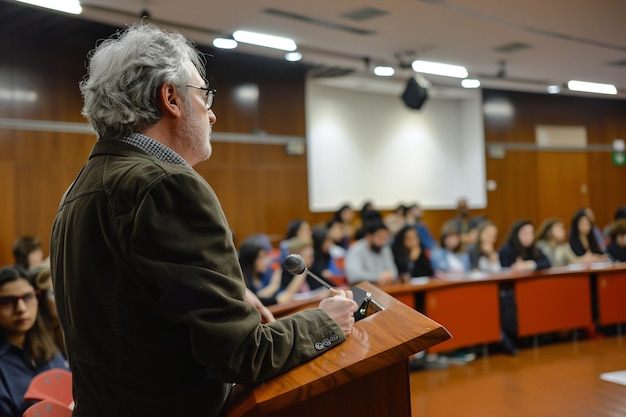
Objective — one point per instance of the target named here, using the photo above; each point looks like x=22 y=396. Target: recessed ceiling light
x=554 y=89
x=384 y=71
x=589 y=87
x=294 y=56
x=438 y=68
x=66 y=6
x=470 y=83
x=225 y=43
x=268 y=41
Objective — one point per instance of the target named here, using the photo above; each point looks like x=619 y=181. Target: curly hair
x=125 y=73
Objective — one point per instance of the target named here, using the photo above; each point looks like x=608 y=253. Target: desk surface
x=431 y=283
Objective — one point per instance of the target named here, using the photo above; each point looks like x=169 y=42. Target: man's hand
x=340 y=307
x=253 y=300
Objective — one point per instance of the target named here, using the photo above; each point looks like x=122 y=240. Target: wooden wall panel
x=517 y=175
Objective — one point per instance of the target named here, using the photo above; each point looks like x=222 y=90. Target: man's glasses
x=209 y=92
x=9 y=303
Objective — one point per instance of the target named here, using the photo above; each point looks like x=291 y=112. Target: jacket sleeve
x=507 y=256
x=542 y=260
x=183 y=244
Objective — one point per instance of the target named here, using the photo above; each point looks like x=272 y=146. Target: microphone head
x=294 y=264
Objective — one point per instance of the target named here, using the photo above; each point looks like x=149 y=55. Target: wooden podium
x=367 y=375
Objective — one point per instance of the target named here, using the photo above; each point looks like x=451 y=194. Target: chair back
x=54 y=385
x=47 y=408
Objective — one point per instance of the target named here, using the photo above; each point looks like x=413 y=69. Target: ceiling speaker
x=414 y=94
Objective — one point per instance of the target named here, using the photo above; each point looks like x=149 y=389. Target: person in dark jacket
x=410 y=255
x=520 y=253
x=156 y=315
x=617 y=246
x=582 y=238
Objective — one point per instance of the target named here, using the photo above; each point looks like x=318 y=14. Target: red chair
x=53 y=385
x=47 y=408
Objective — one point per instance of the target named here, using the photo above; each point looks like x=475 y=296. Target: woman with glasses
x=26 y=348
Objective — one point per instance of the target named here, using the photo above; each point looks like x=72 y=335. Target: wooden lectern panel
x=369 y=370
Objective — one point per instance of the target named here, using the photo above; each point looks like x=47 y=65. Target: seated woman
x=551 y=240
x=327 y=257
x=617 y=245
x=451 y=256
x=410 y=255
x=296 y=228
x=520 y=253
x=582 y=238
x=26 y=347
x=484 y=255
x=292 y=284
x=345 y=217
x=254 y=260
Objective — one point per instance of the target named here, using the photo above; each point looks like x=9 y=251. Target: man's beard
x=375 y=248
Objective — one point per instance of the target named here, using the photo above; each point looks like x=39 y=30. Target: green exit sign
x=619 y=158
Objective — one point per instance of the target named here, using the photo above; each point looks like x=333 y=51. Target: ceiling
x=519 y=45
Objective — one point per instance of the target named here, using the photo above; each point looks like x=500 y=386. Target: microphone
x=295 y=265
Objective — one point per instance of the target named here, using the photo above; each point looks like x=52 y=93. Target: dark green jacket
x=150 y=294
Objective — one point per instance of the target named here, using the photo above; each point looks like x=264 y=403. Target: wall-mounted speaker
x=414 y=94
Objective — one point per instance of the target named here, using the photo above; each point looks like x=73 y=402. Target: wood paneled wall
x=261 y=187
x=523 y=177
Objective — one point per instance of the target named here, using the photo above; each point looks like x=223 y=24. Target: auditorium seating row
x=553 y=300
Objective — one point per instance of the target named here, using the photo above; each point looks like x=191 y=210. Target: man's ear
x=170 y=101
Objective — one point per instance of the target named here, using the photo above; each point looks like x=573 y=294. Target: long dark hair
x=248 y=253
x=293 y=227
x=397 y=246
x=526 y=253
x=574 y=235
x=38 y=343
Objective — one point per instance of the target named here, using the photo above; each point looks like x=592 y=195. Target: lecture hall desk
x=550 y=300
x=556 y=299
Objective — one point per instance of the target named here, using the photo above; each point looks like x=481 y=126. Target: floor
x=557 y=378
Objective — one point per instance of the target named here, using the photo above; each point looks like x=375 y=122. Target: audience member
x=464 y=222
x=157 y=318
x=483 y=254
x=335 y=232
x=370 y=258
x=345 y=216
x=328 y=257
x=396 y=219
x=414 y=217
x=617 y=245
x=254 y=259
x=620 y=213
x=296 y=228
x=27 y=252
x=519 y=252
x=26 y=348
x=292 y=284
x=582 y=238
x=47 y=304
x=552 y=241
x=367 y=216
x=410 y=255
x=451 y=256
x=600 y=238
